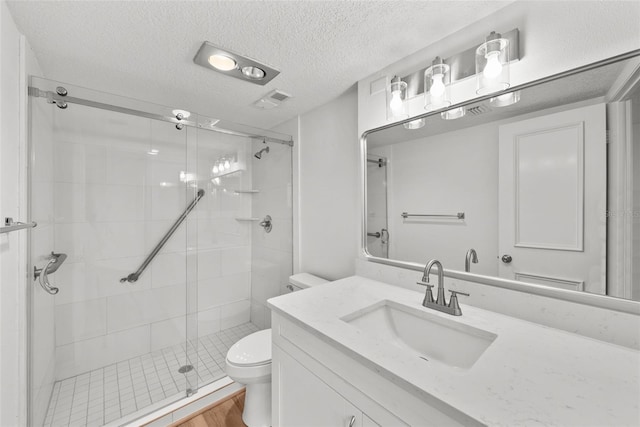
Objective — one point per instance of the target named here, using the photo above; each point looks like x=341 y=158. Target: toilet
x=249 y=362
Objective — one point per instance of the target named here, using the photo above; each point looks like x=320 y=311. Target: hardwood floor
x=225 y=413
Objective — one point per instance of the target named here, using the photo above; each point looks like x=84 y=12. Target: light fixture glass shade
x=437 y=79
x=506 y=99
x=396 y=97
x=454 y=113
x=492 y=65
x=415 y=124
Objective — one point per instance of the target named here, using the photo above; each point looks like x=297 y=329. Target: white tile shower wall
x=272 y=253
x=112 y=203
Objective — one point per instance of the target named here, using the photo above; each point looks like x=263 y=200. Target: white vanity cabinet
x=328 y=366
x=315 y=384
x=306 y=400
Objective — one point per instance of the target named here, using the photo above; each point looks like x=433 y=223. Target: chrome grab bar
x=459 y=215
x=52 y=266
x=11 y=225
x=133 y=277
x=377 y=234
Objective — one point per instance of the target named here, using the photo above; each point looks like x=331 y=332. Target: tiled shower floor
x=106 y=394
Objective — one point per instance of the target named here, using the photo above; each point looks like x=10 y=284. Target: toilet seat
x=251 y=351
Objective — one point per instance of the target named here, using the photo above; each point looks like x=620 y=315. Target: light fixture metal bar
x=219 y=126
x=463 y=64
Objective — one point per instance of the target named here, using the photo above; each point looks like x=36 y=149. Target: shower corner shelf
x=246 y=191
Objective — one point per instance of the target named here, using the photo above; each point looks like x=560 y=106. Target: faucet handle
x=454 y=293
x=428 y=296
x=453 y=303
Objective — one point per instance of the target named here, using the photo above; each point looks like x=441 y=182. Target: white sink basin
x=429 y=336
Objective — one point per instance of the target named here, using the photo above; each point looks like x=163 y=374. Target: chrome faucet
x=472 y=257
x=440 y=303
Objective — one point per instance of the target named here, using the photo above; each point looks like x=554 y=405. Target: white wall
x=16 y=62
x=329 y=196
x=554 y=37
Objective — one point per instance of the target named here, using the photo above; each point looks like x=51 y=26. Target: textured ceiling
x=145 y=49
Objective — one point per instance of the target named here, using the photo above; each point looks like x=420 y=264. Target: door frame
x=620 y=174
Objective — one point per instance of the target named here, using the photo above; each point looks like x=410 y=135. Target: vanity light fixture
x=396 y=97
x=487 y=63
x=454 y=113
x=437 y=80
x=415 y=124
x=234 y=65
x=506 y=99
x=492 y=64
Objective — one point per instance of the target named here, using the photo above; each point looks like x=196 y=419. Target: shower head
x=258 y=155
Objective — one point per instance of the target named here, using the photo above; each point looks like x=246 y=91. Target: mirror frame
x=600 y=301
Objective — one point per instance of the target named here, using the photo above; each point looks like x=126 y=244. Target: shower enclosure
x=151 y=255
x=378 y=232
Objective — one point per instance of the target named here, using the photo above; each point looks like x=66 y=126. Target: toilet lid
x=252 y=350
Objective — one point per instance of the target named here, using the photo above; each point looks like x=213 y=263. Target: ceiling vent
x=271 y=100
x=478 y=109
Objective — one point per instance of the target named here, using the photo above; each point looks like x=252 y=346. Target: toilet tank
x=301 y=281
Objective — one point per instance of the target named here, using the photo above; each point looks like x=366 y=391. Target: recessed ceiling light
x=223 y=62
x=254 y=73
x=232 y=64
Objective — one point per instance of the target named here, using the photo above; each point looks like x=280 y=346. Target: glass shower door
x=106 y=187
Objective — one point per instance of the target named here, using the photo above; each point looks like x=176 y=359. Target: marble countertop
x=530 y=374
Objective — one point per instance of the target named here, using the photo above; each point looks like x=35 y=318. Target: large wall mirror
x=542 y=183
